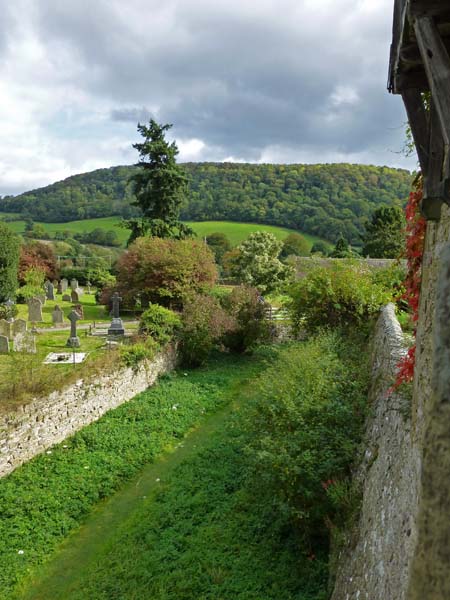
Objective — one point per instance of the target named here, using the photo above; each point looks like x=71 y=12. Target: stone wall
x=376 y=561
x=431 y=403
x=33 y=428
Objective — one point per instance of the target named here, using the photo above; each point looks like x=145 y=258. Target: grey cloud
x=133 y=115
x=236 y=78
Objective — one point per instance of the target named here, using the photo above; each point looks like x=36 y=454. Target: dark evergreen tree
x=385 y=233
x=159 y=186
x=9 y=262
x=342 y=249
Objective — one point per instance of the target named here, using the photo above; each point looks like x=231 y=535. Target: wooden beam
x=418 y=122
x=428 y=8
x=433 y=191
x=437 y=66
x=413 y=79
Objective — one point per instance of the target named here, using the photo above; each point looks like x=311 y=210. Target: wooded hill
x=324 y=200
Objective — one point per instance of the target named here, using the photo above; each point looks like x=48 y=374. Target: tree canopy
x=257 y=262
x=322 y=200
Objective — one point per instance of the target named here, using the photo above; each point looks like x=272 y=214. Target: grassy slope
x=236 y=232
x=180 y=530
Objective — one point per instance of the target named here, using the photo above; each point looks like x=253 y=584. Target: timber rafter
x=419 y=70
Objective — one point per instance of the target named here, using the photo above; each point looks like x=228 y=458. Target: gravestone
x=79 y=309
x=59 y=288
x=18 y=326
x=64 y=285
x=34 y=310
x=9 y=307
x=50 y=291
x=57 y=315
x=4 y=344
x=74 y=284
x=42 y=298
x=74 y=340
x=116 y=327
x=55 y=283
x=66 y=298
x=74 y=296
x=25 y=342
x=5 y=328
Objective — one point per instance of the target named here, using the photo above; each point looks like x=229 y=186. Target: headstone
x=50 y=291
x=74 y=296
x=25 y=342
x=74 y=284
x=34 y=310
x=74 y=340
x=79 y=309
x=4 y=344
x=59 y=289
x=18 y=326
x=9 y=307
x=57 y=315
x=66 y=298
x=64 y=285
x=116 y=327
x=5 y=328
x=55 y=283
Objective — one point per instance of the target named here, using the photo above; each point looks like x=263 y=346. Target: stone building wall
x=33 y=428
x=376 y=562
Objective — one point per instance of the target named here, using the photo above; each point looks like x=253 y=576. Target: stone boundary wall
x=36 y=426
x=376 y=561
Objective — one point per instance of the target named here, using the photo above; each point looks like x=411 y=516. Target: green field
x=236 y=232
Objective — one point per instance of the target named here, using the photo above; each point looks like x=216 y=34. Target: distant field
x=236 y=232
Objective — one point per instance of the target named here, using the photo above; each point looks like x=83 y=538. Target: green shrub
x=160 y=323
x=306 y=420
x=204 y=323
x=133 y=354
x=339 y=293
x=245 y=306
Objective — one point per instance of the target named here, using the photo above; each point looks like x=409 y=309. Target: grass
x=236 y=232
x=44 y=500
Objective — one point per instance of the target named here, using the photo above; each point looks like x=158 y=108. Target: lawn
x=236 y=232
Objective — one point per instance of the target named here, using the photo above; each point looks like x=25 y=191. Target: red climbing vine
x=415 y=238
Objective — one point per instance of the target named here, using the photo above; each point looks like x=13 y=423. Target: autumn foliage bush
x=37 y=255
x=164 y=271
x=204 y=323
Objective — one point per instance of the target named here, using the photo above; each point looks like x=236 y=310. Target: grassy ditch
x=242 y=508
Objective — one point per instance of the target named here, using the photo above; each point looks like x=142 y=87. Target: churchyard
x=40 y=329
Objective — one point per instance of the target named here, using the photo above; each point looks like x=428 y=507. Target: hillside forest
x=326 y=200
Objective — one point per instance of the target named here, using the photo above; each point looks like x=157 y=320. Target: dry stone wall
x=376 y=562
x=38 y=425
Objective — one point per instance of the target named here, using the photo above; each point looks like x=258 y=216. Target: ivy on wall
x=415 y=241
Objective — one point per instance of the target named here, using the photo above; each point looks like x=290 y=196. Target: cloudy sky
x=241 y=80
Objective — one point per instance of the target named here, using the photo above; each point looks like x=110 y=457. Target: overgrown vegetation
x=42 y=501
x=336 y=294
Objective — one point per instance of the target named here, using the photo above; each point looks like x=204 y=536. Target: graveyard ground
x=22 y=375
